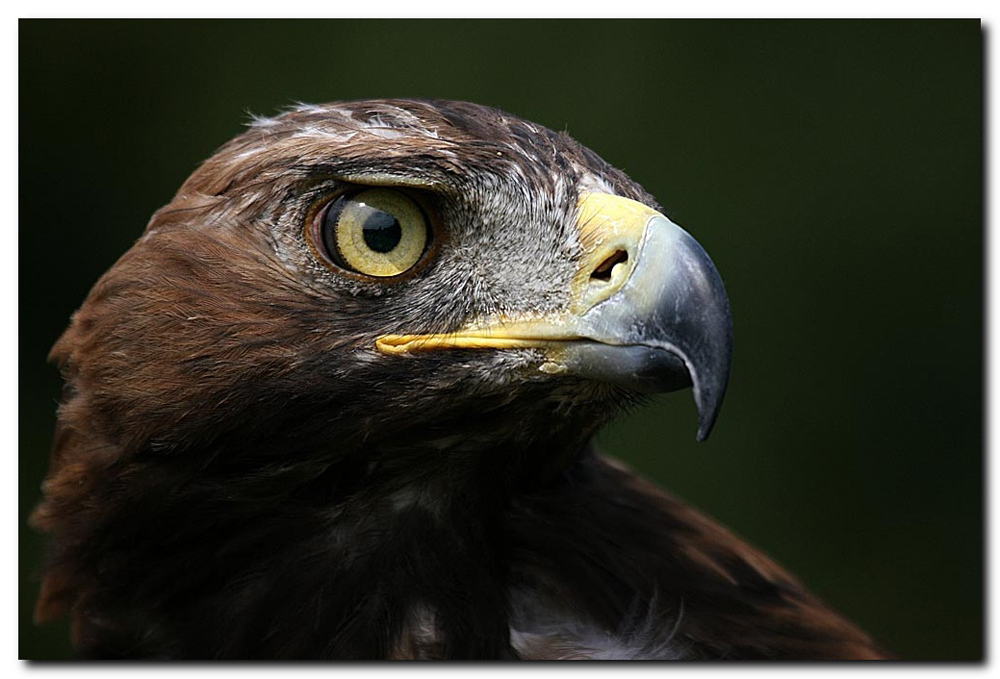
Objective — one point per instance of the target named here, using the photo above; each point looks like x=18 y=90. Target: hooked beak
x=649 y=311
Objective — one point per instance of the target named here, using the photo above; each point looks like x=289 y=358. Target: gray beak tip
x=706 y=419
x=709 y=402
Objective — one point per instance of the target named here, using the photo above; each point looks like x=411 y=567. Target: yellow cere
x=609 y=227
x=381 y=232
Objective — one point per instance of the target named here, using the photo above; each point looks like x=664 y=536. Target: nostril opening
x=603 y=270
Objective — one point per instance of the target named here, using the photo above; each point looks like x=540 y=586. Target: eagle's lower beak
x=648 y=311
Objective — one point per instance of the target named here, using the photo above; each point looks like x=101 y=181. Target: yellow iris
x=378 y=232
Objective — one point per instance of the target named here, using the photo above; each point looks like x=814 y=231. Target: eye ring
x=373 y=233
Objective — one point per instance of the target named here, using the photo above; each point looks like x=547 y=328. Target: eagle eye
x=380 y=232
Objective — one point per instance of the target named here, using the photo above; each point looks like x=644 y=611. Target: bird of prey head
x=337 y=400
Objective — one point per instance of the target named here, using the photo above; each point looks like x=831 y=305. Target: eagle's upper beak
x=648 y=311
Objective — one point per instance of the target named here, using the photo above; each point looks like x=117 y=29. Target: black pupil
x=381 y=231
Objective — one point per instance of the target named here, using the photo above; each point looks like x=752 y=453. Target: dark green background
x=832 y=169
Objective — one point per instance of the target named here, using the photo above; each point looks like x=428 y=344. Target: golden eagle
x=338 y=402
